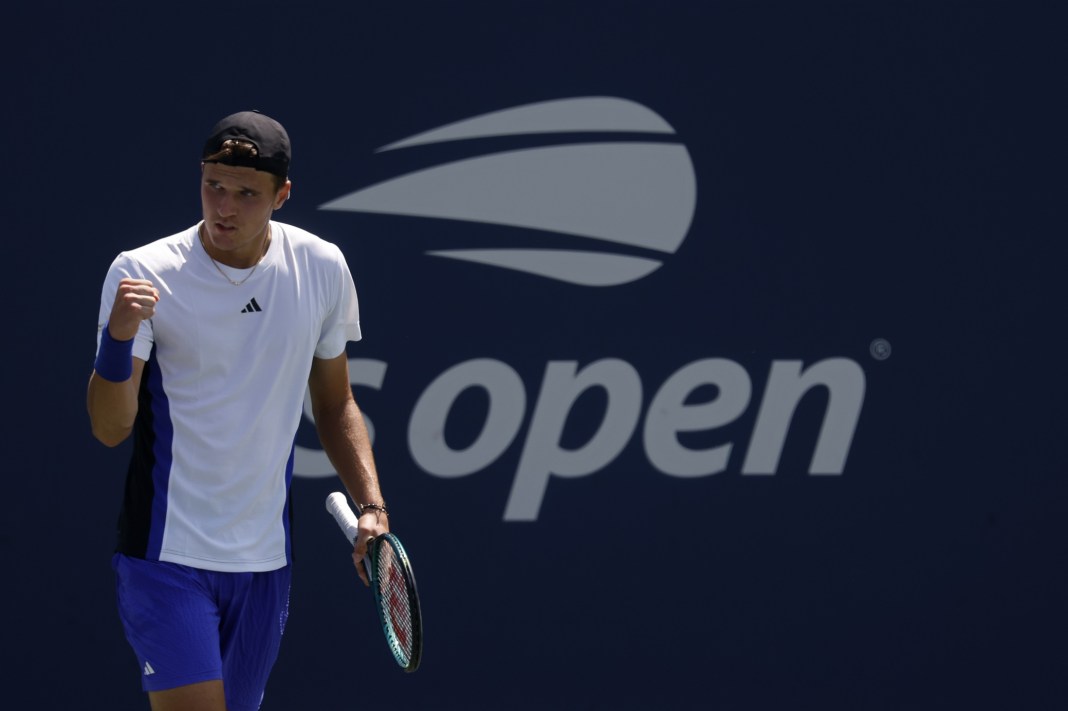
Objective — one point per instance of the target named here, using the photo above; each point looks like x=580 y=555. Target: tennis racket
x=396 y=596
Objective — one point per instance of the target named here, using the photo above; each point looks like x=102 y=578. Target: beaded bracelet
x=373 y=507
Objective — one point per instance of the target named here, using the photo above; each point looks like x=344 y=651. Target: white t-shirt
x=222 y=394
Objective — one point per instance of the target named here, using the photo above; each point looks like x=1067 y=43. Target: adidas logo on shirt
x=149 y=671
x=251 y=307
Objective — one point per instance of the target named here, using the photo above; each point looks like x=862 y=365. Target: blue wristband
x=114 y=360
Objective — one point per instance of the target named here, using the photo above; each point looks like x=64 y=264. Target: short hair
x=235 y=152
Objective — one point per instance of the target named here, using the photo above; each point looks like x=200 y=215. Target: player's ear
x=283 y=195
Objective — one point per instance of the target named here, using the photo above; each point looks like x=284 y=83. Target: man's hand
x=372 y=525
x=135 y=301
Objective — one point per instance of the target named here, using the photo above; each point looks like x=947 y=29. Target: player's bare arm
x=344 y=438
x=113 y=405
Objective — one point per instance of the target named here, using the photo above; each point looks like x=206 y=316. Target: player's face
x=238 y=202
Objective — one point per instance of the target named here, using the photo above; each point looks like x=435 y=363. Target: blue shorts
x=188 y=625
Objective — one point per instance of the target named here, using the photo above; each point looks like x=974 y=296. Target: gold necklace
x=255 y=266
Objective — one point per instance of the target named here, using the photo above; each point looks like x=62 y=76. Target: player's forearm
x=112 y=408
x=344 y=438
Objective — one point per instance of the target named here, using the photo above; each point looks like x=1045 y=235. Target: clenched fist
x=135 y=301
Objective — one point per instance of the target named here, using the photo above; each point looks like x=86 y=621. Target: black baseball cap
x=267 y=135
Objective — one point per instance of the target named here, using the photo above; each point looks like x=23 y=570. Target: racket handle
x=338 y=507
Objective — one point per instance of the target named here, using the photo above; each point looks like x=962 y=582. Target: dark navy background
x=864 y=170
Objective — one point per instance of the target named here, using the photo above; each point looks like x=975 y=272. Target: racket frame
x=407 y=662
x=338 y=506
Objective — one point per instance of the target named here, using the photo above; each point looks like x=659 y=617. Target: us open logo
x=634 y=199
x=594 y=213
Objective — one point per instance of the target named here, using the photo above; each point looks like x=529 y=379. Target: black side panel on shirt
x=135 y=518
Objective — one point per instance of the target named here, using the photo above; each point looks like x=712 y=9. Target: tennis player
x=207 y=340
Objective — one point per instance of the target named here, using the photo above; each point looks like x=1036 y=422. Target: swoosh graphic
x=574 y=267
x=637 y=194
x=591 y=113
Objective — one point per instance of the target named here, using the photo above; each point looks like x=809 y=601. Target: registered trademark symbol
x=880 y=349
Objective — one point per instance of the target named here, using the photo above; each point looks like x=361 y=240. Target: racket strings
x=393 y=590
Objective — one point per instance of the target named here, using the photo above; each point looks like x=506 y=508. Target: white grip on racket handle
x=338 y=507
